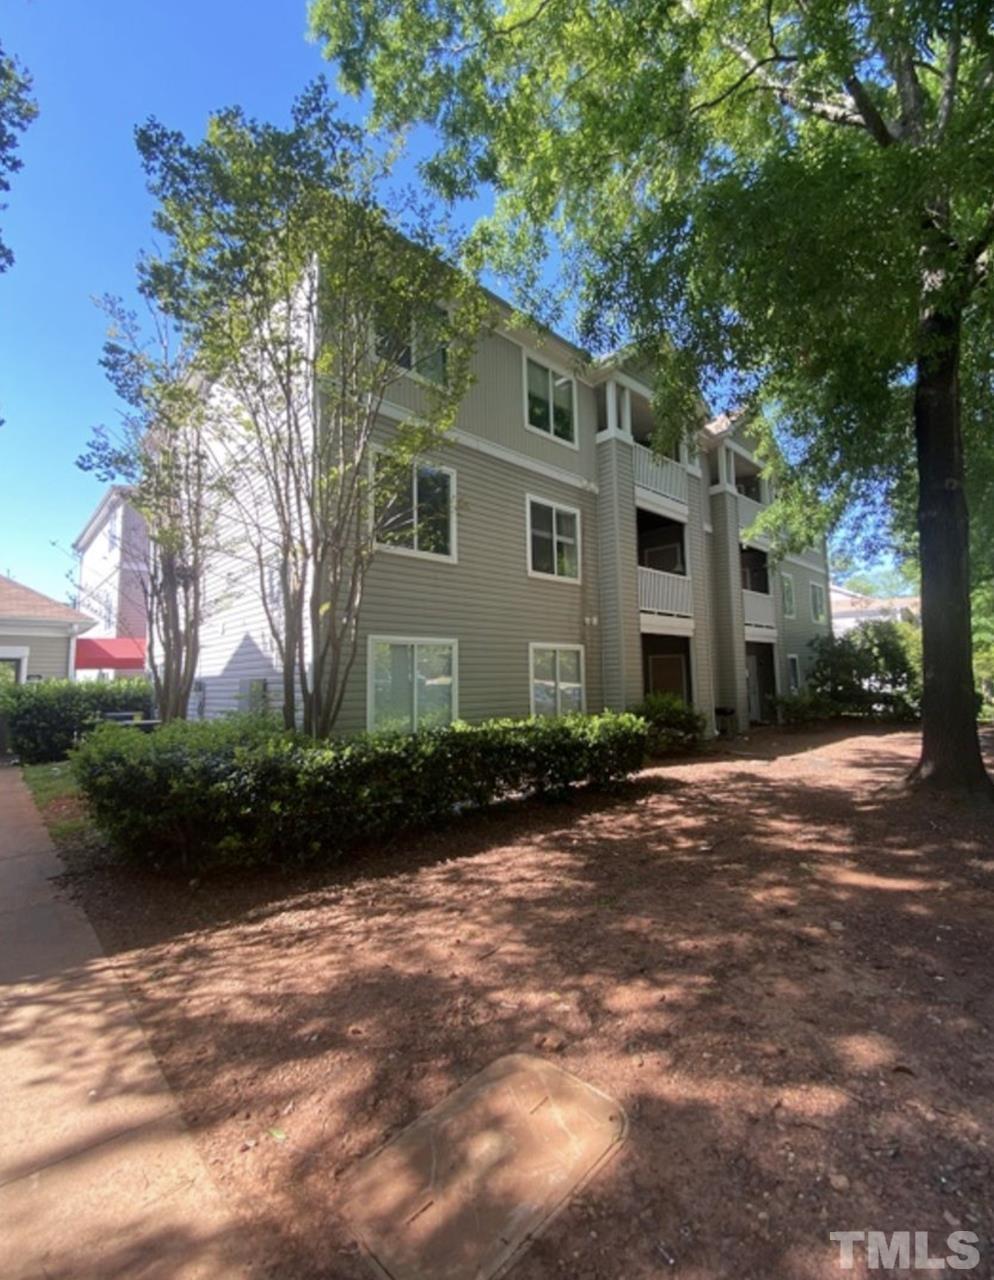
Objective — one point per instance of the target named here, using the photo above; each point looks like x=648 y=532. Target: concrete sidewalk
x=99 y=1177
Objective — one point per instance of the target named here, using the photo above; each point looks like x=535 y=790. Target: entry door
x=752 y=680
x=668 y=674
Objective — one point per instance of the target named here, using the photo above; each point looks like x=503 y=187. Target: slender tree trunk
x=950 y=755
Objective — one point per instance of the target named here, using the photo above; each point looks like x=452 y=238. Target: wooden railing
x=665 y=593
x=660 y=475
x=758 y=609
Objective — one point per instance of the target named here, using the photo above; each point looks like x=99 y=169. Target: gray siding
x=728 y=630
x=617 y=564
x=48 y=656
x=699 y=567
x=797 y=633
x=494 y=406
x=486 y=600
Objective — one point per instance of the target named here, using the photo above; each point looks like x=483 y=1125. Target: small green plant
x=672 y=724
x=44 y=719
x=241 y=792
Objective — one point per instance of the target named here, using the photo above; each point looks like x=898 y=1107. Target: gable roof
x=22 y=604
x=116 y=493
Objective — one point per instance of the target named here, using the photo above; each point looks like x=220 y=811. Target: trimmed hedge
x=45 y=718
x=673 y=724
x=241 y=792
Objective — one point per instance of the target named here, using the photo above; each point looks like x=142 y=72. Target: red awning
x=118 y=653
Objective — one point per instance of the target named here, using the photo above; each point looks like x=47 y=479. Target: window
x=793 y=673
x=818 y=613
x=549 y=402
x=556 y=679
x=412 y=684
x=414 y=510
x=417 y=345
x=553 y=540
x=787 y=595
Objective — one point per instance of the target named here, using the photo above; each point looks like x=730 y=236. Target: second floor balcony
x=668 y=594
x=757 y=610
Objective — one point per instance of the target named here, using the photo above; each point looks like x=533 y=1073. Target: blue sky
x=78 y=215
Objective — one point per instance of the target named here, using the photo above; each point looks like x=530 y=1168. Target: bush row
x=242 y=792
x=44 y=719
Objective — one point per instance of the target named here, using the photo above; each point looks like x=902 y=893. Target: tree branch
x=950 y=76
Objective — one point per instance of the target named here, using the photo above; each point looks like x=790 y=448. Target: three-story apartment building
x=552 y=561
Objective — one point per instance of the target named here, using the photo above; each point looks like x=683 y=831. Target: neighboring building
x=850 y=608
x=113 y=553
x=568 y=566
x=38 y=635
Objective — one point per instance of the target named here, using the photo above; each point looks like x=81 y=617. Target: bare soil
x=779 y=963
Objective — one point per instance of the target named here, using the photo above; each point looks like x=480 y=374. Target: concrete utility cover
x=460 y=1192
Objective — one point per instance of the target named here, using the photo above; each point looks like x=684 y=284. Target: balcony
x=659 y=475
x=757 y=609
x=665 y=593
x=749 y=509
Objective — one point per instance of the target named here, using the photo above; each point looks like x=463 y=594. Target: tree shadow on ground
x=778 y=966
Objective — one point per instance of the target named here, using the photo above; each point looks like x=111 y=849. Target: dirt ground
x=779 y=964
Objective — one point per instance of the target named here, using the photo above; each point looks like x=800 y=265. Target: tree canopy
x=17 y=110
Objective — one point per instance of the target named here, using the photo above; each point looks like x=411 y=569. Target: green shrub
x=673 y=725
x=240 y=791
x=45 y=718
x=872 y=671
x=803 y=707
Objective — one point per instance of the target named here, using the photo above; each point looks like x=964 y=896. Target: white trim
x=661 y=505
x=788 y=577
x=71 y=658
x=43 y=627
x=19 y=653
x=93 y=525
x=730 y=443
x=817 y=586
x=372 y=640
x=631 y=383
x=791 y=686
x=556 y=506
x=760 y=635
x=551 y=368
x=557 y=646
x=415 y=553
x=821 y=568
x=658 y=624
x=491 y=448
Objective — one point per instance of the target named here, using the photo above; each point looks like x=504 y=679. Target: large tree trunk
x=950 y=755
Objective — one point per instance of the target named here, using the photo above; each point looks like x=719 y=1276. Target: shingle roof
x=20 y=602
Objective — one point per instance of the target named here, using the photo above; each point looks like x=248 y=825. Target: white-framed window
x=418 y=516
x=818 y=611
x=793 y=673
x=787 y=595
x=412 y=683
x=416 y=345
x=557 y=678
x=550 y=401
x=553 y=540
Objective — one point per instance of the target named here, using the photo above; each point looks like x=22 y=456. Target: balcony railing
x=757 y=609
x=749 y=509
x=660 y=475
x=668 y=593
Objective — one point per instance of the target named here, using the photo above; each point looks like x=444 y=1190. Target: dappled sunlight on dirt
x=780 y=967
